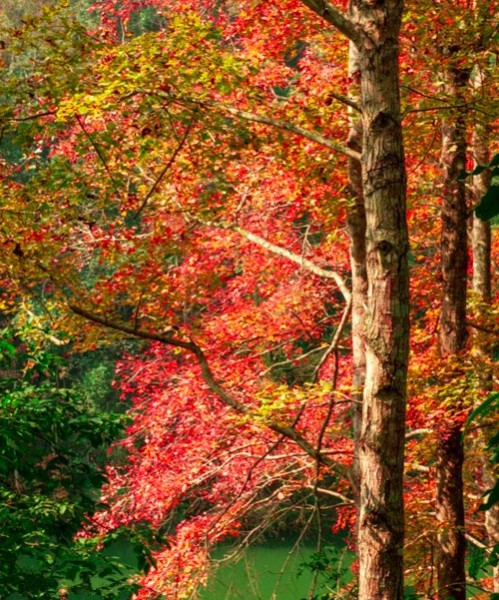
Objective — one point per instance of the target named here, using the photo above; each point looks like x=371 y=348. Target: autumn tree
x=169 y=204
x=374 y=32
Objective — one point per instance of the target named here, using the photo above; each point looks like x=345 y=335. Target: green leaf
x=489 y=205
x=477 y=560
x=7 y=346
x=485 y=408
x=492 y=498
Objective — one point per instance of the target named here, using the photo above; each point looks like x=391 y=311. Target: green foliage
x=488 y=208
x=94 y=372
x=478 y=560
x=50 y=475
x=487 y=408
x=328 y=564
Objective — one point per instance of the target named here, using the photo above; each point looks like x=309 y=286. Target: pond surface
x=277 y=571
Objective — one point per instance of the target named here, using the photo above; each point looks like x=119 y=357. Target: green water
x=270 y=571
x=275 y=572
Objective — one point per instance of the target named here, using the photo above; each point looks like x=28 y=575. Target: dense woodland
x=249 y=284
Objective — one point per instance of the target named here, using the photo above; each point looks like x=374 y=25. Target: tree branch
x=335 y=18
x=181 y=144
x=482 y=328
x=333 y=346
x=300 y=260
x=284 y=430
x=279 y=124
x=248 y=116
x=417 y=432
x=97 y=149
x=345 y=100
x=476 y=542
x=47 y=113
x=296 y=258
x=332 y=493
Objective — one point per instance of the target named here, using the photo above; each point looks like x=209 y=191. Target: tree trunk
x=451 y=544
x=381 y=448
x=374 y=27
x=356 y=224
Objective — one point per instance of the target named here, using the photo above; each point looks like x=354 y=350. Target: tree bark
x=451 y=543
x=381 y=447
x=374 y=27
x=356 y=225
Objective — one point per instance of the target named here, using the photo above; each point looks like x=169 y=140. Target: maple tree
x=168 y=202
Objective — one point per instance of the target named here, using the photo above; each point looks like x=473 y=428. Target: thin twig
x=286 y=430
x=482 y=328
x=333 y=346
x=167 y=166
x=97 y=149
x=47 y=113
x=300 y=260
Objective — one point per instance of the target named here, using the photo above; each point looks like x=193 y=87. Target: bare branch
x=336 y=18
x=482 y=328
x=333 y=346
x=97 y=150
x=476 y=542
x=332 y=493
x=279 y=124
x=300 y=260
x=345 y=100
x=47 y=113
x=292 y=360
x=420 y=468
x=303 y=262
x=417 y=432
x=449 y=107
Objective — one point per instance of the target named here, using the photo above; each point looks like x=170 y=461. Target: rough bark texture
x=481 y=240
x=492 y=521
x=374 y=26
x=451 y=546
x=381 y=448
x=356 y=224
x=451 y=543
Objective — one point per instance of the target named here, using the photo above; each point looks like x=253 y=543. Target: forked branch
x=285 y=430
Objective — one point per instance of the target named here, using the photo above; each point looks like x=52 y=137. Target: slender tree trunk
x=356 y=224
x=481 y=243
x=381 y=448
x=451 y=544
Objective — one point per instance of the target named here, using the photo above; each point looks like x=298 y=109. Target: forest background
x=209 y=218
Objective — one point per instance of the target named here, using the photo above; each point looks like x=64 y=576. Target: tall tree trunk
x=451 y=544
x=481 y=244
x=381 y=448
x=356 y=224
x=374 y=27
